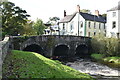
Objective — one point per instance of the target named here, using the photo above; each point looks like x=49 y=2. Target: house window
x=81 y=33
x=71 y=26
x=89 y=24
x=114 y=14
x=113 y=24
x=94 y=33
x=88 y=34
x=81 y=24
x=99 y=26
x=118 y=35
x=104 y=25
x=63 y=26
x=94 y=25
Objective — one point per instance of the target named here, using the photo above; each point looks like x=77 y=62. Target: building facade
x=82 y=24
x=113 y=22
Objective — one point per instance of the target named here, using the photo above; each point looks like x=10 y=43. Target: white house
x=113 y=22
x=82 y=24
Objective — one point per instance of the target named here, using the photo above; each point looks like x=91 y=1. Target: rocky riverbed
x=97 y=70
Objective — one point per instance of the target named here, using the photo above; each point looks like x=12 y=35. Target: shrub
x=110 y=46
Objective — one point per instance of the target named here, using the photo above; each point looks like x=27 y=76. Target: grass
x=97 y=56
x=110 y=61
x=20 y=64
x=115 y=60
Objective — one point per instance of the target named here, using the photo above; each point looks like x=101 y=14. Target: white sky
x=43 y=9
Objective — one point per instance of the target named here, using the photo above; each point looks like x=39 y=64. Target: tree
x=104 y=15
x=53 y=20
x=13 y=18
x=39 y=27
x=28 y=29
x=85 y=11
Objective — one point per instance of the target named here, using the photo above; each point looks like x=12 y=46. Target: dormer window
x=114 y=14
x=113 y=24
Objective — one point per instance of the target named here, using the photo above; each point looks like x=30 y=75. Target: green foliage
x=110 y=61
x=39 y=27
x=85 y=11
x=13 y=18
x=22 y=64
x=28 y=29
x=54 y=19
x=115 y=60
x=98 y=44
x=104 y=15
x=97 y=56
x=108 y=46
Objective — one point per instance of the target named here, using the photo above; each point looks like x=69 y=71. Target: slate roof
x=91 y=17
x=115 y=8
x=86 y=16
x=67 y=18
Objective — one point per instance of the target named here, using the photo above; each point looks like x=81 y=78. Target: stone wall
x=49 y=42
x=4 y=49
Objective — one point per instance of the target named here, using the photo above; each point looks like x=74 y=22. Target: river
x=96 y=70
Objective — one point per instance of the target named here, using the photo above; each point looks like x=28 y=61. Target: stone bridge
x=52 y=45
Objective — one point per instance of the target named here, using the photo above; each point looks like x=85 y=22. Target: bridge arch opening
x=34 y=48
x=61 y=50
x=81 y=50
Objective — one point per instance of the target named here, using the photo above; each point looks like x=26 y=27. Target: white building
x=113 y=22
x=82 y=24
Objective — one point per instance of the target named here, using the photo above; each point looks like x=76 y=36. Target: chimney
x=78 y=8
x=96 y=12
x=64 y=13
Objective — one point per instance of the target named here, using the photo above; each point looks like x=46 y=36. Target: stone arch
x=34 y=48
x=61 y=50
x=81 y=50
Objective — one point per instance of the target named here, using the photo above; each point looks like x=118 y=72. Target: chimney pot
x=64 y=13
x=78 y=8
x=96 y=12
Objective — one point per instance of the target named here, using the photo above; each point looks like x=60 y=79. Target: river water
x=96 y=70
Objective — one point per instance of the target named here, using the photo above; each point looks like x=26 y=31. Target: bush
x=110 y=46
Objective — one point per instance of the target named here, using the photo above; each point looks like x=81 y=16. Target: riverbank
x=113 y=61
x=20 y=64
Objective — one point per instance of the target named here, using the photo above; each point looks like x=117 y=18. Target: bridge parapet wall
x=49 y=42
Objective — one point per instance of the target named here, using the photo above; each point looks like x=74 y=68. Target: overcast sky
x=44 y=9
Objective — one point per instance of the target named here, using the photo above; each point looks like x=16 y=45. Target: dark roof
x=91 y=17
x=86 y=16
x=115 y=8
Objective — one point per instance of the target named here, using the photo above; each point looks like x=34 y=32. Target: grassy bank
x=111 y=61
x=20 y=64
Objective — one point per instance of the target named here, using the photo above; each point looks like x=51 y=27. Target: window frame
x=89 y=24
x=113 y=24
x=114 y=14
